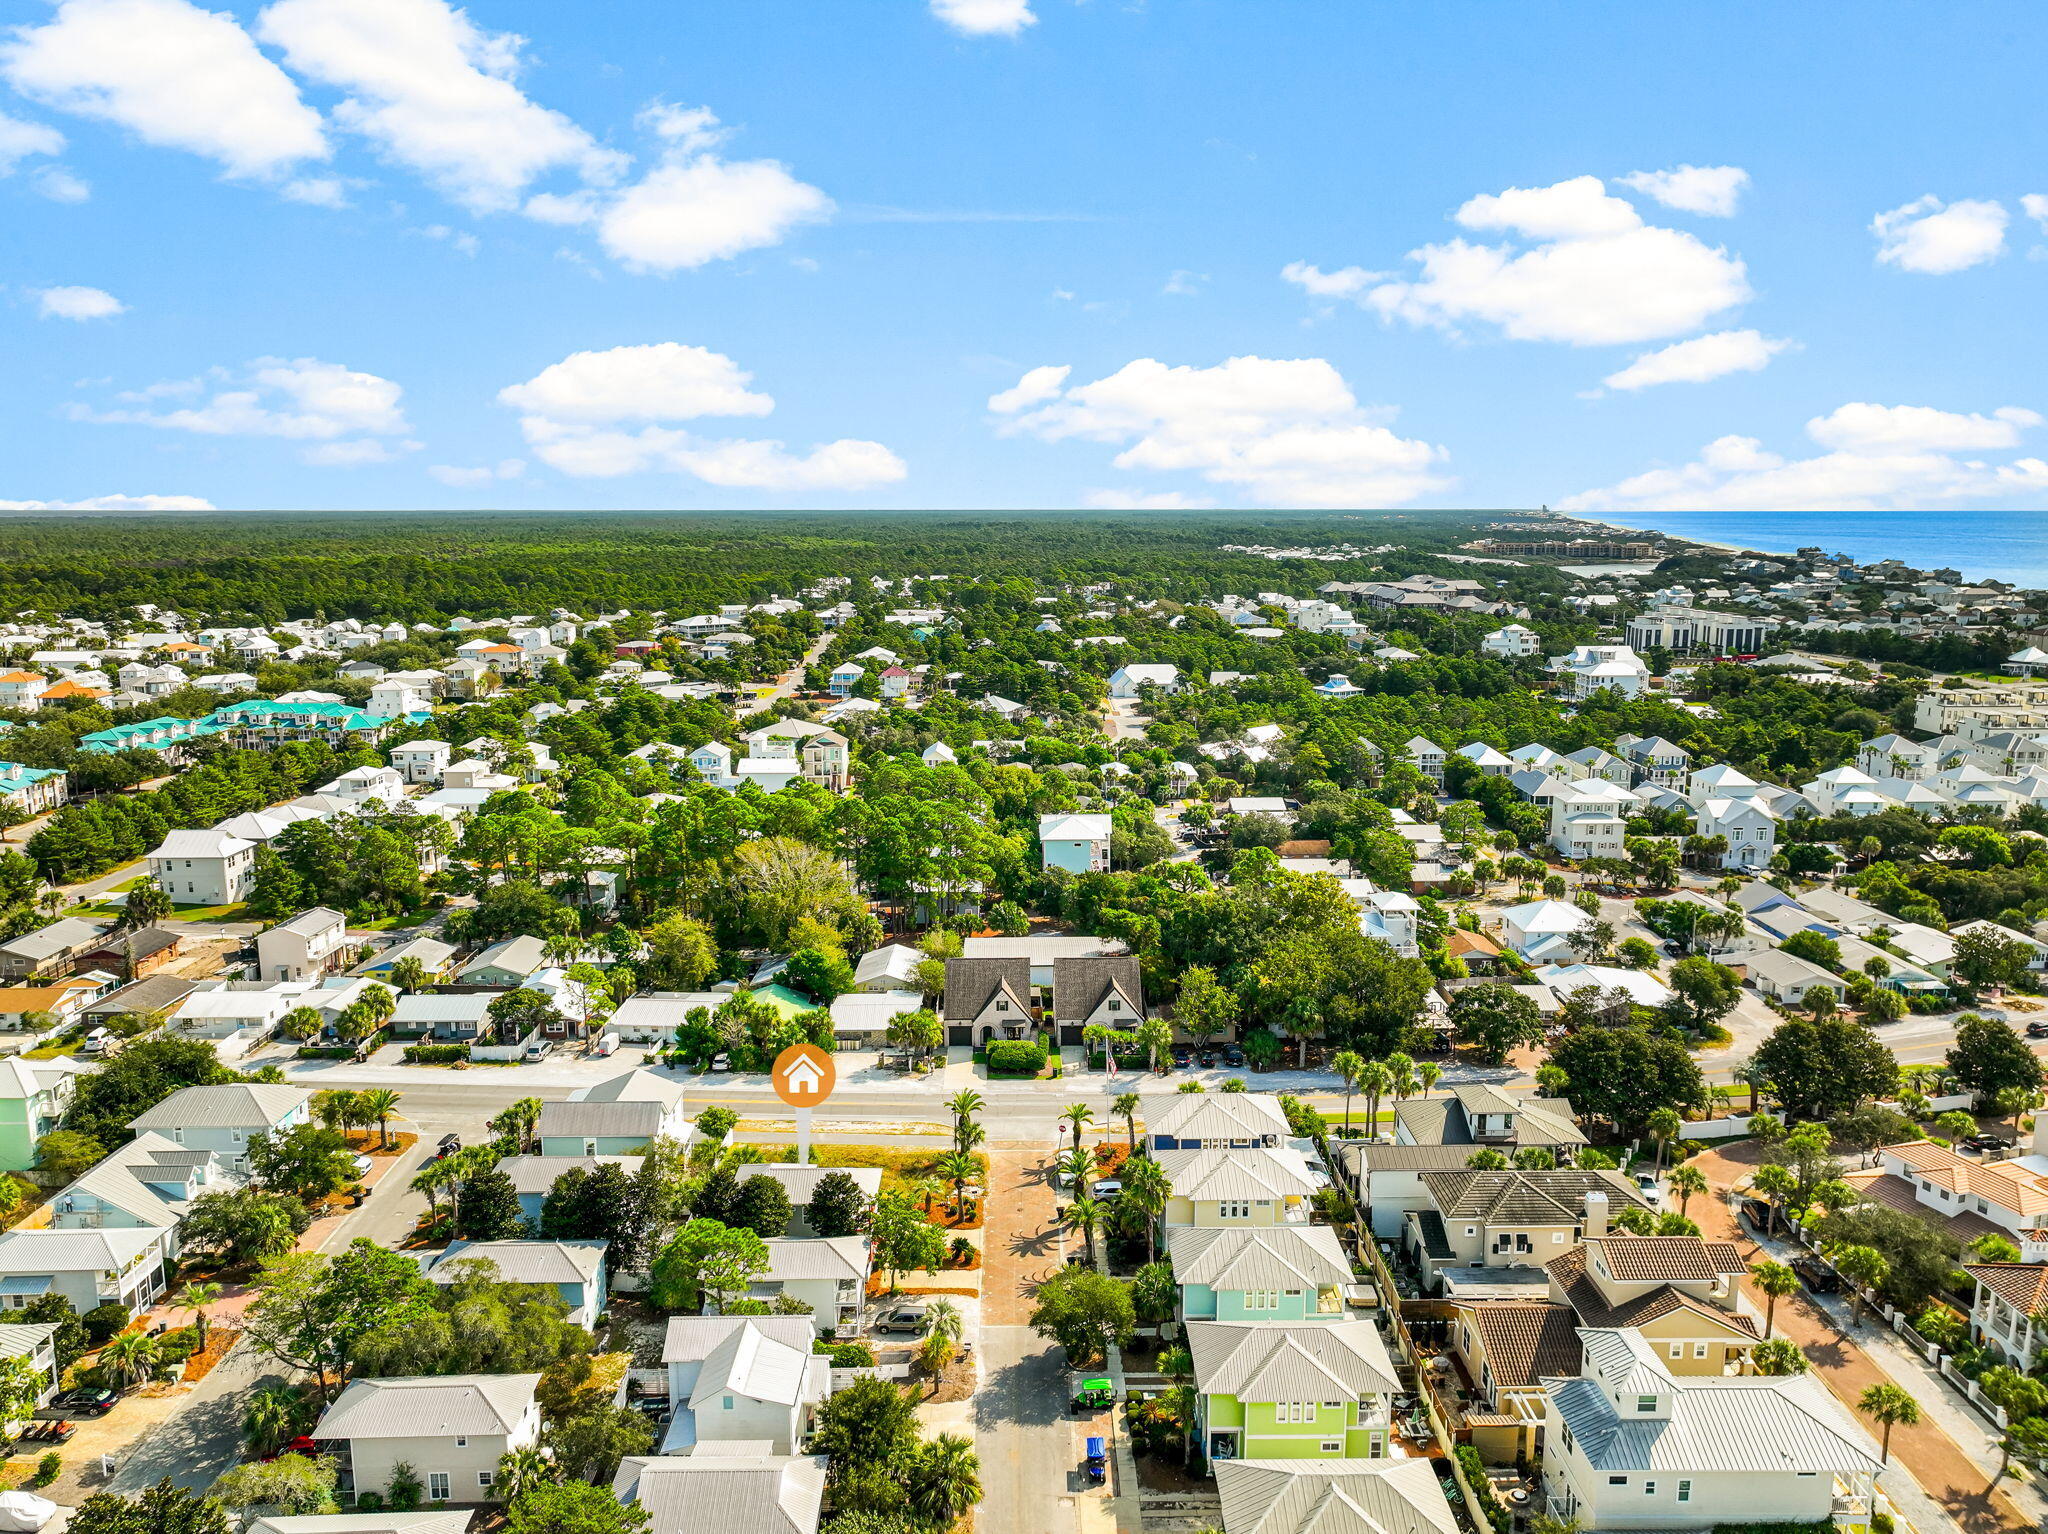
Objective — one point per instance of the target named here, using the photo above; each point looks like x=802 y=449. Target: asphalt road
x=1033 y=1485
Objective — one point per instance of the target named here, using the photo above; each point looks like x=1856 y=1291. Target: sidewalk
x=1953 y=1490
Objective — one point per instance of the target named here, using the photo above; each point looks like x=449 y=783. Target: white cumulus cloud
x=336 y=410
x=1345 y=282
x=985 y=18
x=78 y=304
x=59 y=185
x=575 y=415
x=172 y=74
x=696 y=207
x=1709 y=190
x=1580 y=266
x=19 y=140
x=1929 y=236
x=1699 y=360
x=115 y=503
x=1880 y=456
x=1138 y=500
x=1285 y=432
x=1034 y=388
x=2035 y=206
x=435 y=94
x=468 y=478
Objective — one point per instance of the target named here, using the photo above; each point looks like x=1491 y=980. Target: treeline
x=88 y=838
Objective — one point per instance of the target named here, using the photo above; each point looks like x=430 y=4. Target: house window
x=1649 y=1488
x=462 y=1443
x=1685 y=1491
x=1002 y=1006
x=437 y=1486
x=485 y=1478
x=1617 y=1480
x=1116 y=1006
x=1234 y=1209
x=1699 y=1350
x=1678 y=1350
x=727 y=1403
x=1646 y=1403
x=1333 y=1446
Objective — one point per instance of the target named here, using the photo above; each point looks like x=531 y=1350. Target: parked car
x=1757 y=1212
x=1183 y=1057
x=1816 y=1275
x=1233 y=1056
x=84 y=1401
x=363 y=1164
x=1107 y=1189
x=2037 y=1030
x=721 y=1062
x=1205 y=1058
x=1986 y=1142
x=1646 y=1184
x=450 y=1144
x=904 y=1318
x=300 y=1445
x=539 y=1049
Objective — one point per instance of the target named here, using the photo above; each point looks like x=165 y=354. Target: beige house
x=1682 y=1294
x=450 y=1430
x=1509 y=1218
x=1256 y=1186
x=988 y=999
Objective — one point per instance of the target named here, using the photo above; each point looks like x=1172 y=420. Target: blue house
x=534 y=1177
x=1259 y=1272
x=1219 y=1121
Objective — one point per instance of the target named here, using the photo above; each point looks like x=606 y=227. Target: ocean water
x=2007 y=545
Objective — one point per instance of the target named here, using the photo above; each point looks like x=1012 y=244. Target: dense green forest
x=423 y=566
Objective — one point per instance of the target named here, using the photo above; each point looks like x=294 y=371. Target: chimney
x=1596 y=1216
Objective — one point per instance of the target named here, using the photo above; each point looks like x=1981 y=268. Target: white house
x=1592 y=668
x=1427 y=755
x=1537 y=929
x=309 y=945
x=830 y=1274
x=1511 y=643
x=1589 y=819
x=451 y=1429
x=225 y=1119
x=204 y=867
x=420 y=761
x=1125 y=681
x=747 y=1379
x=1490 y=762
x=1786 y=977
x=1077 y=843
x=1630 y=1445
x=88 y=1267
x=1750 y=826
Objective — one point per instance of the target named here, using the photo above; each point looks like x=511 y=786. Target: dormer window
x=1646 y=1403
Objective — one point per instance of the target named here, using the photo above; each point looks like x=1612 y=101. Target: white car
x=363 y=1165
x=1646 y=1184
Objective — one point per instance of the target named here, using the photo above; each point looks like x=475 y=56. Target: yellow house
x=1258 y=1186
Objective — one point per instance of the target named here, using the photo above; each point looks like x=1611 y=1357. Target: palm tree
x=963 y=1105
x=942 y=1319
x=1889 y=1407
x=1084 y=1214
x=959 y=1169
x=945 y=1481
x=430 y=1180
x=1776 y=1280
x=1146 y=1189
x=1663 y=1125
x=1427 y=1074
x=377 y=1105
x=1776 y=1183
x=923 y=1189
x=195 y=1298
x=1155 y=1035
x=2015 y=1101
x=331 y=1108
x=521 y=1471
x=1178 y=1365
x=1074 y=1165
x=1864 y=1266
x=1349 y=1066
x=1080 y=1115
x=1401 y=1076
x=1126 y=1108
x=1685 y=1182
x=409 y=973
x=1373 y=1081
x=130 y=1357
x=518 y=1120
x=300 y=1023
x=1780 y=1355
x=272 y=1417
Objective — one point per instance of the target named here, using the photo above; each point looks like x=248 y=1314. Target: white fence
x=502 y=1051
x=1716 y=1129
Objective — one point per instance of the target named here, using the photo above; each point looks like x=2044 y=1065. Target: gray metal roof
x=635 y=1086
x=1219 y=1116
x=568 y=1120
x=429 y=1407
x=107 y=1250
x=1291 y=1360
x=1348 y=1496
x=692 y=1339
x=734 y=1494
x=520 y=1262
x=793 y=1259
x=239 y=1105
x=362 y=1523
x=518 y=955
x=1255 y=1173
x=438 y=1007
x=801 y=1181
x=749 y=1362
x=1257 y=1256
x=539 y=1174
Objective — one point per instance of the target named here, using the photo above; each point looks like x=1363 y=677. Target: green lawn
x=235 y=912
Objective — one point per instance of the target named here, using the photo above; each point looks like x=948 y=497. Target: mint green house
x=1259 y=1272
x=33 y=1096
x=1292 y=1390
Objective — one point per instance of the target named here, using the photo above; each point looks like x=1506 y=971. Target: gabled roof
x=749 y=1361
x=634 y=1086
x=239 y=1105
x=443 y=1406
x=692 y=1339
x=1080 y=986
x=1257 y=1256
x=971 y=984
x=1220 y=1116
x=731 y=1493
x=1530 y=1198
x=615 y=1120
x=794 y=1259
x=1255 y=1173
x=520 y=1262
x=1592 y=1307
x=1290 y=1360
x=107 y=1250
x=801 y=1181
x=1344 y=1496
x=1526 y=1342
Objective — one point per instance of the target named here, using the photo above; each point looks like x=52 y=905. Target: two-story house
x=208 y=868
x=1655 y=762
x=1258 y=1272
x=1589 y=819
x=1238 y=1187
x=828 y=1273
x=147 y=1184
x=1750 y=826
x=33 y=1097
x=1683 y=1294
x=450 y=1429
x=1507 y=1219
x=1292 y=1390
x=52 y=951
x=2010 y=1313
x=1593 y=668
x=1108 y=991
x=742 y=1379
x=223 y=1120
x=575 y=1270
x=988 y=999
x=1218 y=1121
x=1480 y=1115
x=88 y=1267
x=311 y=944
x=820 y=751
x=1630 y=1445
x=1079 y=844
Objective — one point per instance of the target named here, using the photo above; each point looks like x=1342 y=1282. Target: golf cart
x=1097 y=1463
x=1094 y=1396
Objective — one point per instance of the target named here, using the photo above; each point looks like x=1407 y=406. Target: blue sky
x=387 y=253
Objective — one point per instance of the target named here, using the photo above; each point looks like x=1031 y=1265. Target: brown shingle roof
x=972 y=983
x=1526 y=1343
x=1528 y=1198
x=1079 y=986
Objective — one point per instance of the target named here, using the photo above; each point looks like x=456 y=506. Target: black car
x=1205 y=1058
x=83 y=1402
x=1816 y=1276
x=1233 y=1056
x=1986 y=1142
x=1757 y=1212
x=2037 y=1030
x=1183 y=1057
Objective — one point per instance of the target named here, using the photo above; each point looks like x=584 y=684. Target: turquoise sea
x=2007 y=545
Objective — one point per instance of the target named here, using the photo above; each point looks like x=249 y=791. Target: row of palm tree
x=359 y=1110
x=1397 y=1076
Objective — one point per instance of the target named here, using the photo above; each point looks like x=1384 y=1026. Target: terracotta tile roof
x=1527 y=1342
x=1668 y=1259
x=69 y=689
x=1894 y=1192
x=1583 y=1295
x=2000 y=1182
x=20 y=676
x=1460 y=943
x=2022 y=1285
